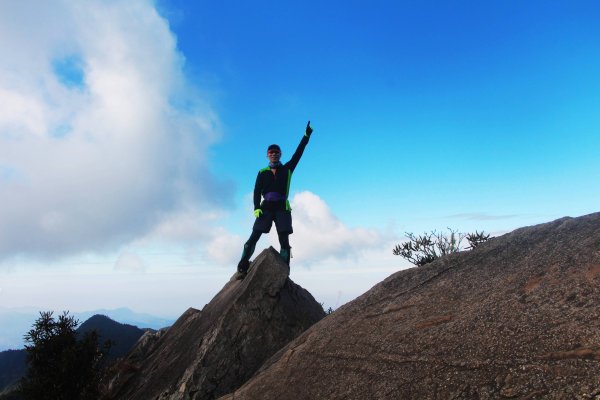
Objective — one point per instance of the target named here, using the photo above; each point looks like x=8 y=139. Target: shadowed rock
x=518 y=317
x=211 y=352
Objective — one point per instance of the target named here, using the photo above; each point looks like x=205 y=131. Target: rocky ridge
x=211 y=352
x=517 y=317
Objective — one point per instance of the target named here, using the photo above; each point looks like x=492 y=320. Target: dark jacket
x=278 y=184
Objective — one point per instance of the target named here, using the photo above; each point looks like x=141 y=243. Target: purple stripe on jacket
x=274 y=196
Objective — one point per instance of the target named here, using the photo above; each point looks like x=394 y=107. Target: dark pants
x=263 y=224
x=282 y=219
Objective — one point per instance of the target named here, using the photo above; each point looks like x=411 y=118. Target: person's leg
x=249 y=247
x=283 y=223
x=261 y=225
x=286 y=250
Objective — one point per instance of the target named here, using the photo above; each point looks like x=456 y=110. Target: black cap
x=274 y=147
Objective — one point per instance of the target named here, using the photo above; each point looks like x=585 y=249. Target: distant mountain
x=13 y=364
x=15 y=323
x=12 y=367
x=123 y=336
x=127 y=316
x=13 y=326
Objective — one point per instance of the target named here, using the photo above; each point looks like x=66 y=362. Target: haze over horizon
x=131 y=134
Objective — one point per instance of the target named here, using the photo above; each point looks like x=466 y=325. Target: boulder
x=210 y=352
x=517 y=317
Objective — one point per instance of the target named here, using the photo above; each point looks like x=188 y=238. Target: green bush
x=425 y=248
x=61 y=363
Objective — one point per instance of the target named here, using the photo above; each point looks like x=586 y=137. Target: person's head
x=273 y=153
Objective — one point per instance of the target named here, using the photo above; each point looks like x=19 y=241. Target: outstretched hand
x=309 y=130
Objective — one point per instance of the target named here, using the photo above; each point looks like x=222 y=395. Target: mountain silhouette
x=122 y=336
x=13 y=363
x=12 y=367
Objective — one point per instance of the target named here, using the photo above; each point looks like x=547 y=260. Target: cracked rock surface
x=210 y=352
x=517 y=317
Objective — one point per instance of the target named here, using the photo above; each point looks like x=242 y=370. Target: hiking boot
x=243 y=266
x=238 y=276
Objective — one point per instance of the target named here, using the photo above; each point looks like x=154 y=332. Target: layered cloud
x=320 y=235
x=101 y=138
x=103 y=143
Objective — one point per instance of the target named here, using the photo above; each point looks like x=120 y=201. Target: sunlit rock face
x=517 y=317
x=210 y=352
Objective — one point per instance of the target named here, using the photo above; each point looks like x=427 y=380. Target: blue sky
x=431 y=109
x=131 y=134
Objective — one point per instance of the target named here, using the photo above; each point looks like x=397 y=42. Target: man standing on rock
x=273 y=185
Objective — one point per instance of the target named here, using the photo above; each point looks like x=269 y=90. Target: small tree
x=475 y=239
x=423 y=249
x=61 y=365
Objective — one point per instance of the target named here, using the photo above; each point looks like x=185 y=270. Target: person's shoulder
x=288 y=165
x=267 y=168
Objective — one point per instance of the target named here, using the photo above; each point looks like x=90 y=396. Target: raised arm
x=298 y=153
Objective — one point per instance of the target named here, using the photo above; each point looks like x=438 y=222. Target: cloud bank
x=320 y=235
x=319 y=238
x=102 y=140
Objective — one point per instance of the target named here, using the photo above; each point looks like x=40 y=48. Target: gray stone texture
x=517 y=317
x=211 y=352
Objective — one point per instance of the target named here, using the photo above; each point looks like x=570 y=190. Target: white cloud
x=130 y=262
x=320 y=235
x=225 y=248
x=320 y=238
x=185 y=226
x=91 y=166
